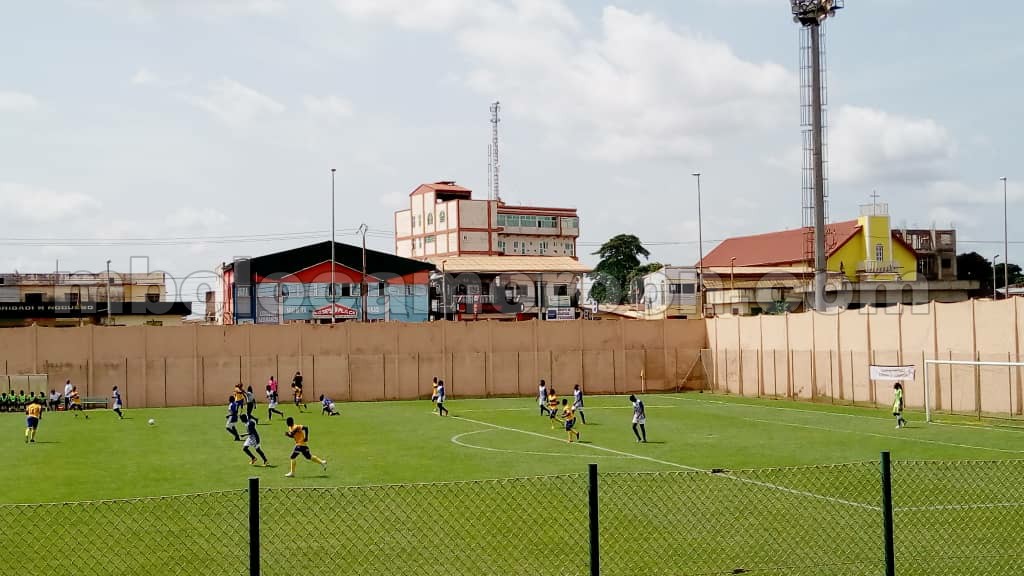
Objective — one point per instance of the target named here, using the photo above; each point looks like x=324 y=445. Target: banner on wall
x=892 y=373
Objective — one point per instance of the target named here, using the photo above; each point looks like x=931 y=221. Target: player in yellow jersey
x=76 y=402
x=433 y=394
x=33 y=413
x=552 y=406
x=569 y=417
x=239 y=394
x=300 y=434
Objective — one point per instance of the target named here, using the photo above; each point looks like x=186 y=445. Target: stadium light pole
x=444 y=290
x=1006 y=246
x=334 y=286
x=108 y=294
x=994 y=293
x=365 y=286
x=700 y=247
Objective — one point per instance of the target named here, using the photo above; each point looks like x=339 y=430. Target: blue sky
x=122 y=121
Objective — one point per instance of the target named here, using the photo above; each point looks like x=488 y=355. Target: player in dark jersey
x=252 y=439
x=441 y=397
x=232 y=417
x=116 y=394
x=297 y=391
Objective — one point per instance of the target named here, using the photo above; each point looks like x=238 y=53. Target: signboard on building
x=339 y=312
x=561 y=314
x=46 y=309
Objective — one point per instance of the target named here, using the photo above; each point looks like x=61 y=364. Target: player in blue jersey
x=328 y=407
x=116 y=395
x=252 y=439
x=441 y=397
x=232 y=417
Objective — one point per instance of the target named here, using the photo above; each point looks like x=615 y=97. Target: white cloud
x=41 y=205
x=17 y=102
x=234 y=103
x=873 y=146
x=145 y=77
x=228 y=7
x=425 y=14
x=329 y=107
x=636 y=89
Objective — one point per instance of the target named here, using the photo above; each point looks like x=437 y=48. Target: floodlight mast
x=811 y=14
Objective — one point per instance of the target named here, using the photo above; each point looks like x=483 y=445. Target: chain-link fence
x=955 y=518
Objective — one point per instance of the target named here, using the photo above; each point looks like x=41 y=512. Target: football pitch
x=723 y=484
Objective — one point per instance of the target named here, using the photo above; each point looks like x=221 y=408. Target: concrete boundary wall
x=158 y=366
x=826 y=357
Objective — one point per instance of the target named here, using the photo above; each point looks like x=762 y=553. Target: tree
x=1016 y=277
x=974 y=266
x=620 y=260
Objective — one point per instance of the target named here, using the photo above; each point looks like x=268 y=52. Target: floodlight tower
x=811 y=15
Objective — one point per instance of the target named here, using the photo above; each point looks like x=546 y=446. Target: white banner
x=892 y=373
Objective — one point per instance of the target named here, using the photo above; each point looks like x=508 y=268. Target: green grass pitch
x=367 y=520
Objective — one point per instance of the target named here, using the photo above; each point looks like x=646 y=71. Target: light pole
x=700 y=247
x=365 y=286
x=1006 y=245
x=444 y=291
x=108 y=294
x=334 y=286
x=995 y=295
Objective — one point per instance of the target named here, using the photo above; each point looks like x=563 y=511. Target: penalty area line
x=681 y=466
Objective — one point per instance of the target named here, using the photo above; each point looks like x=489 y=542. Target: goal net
x=978 y=388
x=30 y=383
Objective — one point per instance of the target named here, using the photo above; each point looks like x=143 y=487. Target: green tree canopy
x=619 y=265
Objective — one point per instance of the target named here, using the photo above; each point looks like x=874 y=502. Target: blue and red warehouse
x=295 y=286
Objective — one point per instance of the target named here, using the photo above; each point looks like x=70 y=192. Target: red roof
x=776 y=248
x=448 y=187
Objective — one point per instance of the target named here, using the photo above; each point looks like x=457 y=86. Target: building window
x=410 y=289
x=33 y=298
x=440 y=217
x=501 y=245
x=543 y=247
x=675 y=288
x=430 y=219
x=74 y=298
x=381 y=288
x=346 y=290
x=570 y=248
x=561 y=289
x=153 y=298
x=515 y=245
x=689 y=288
x=570 y=222
x=947 y=262
x=879 y=252
x=429 y=240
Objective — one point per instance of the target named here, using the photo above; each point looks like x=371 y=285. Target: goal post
x=991 y=404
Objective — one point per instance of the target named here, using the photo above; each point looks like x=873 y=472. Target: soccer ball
x=152 y=422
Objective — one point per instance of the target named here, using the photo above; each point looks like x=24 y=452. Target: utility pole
x=334 y=285
x=364 y=288
x=109 y=316
x=1006 y=245
x=700 y=248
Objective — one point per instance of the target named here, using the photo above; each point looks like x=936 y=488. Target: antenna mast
x=495 y=190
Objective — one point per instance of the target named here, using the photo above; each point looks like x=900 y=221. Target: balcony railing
x=876 y=267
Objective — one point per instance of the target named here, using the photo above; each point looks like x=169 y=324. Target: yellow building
x=869 y=264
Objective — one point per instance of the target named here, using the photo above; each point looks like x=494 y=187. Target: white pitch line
x=682 y=466
x=890 y=436
x=959 y=507
x=456 y=439
x=827 y=413
x=587 y=408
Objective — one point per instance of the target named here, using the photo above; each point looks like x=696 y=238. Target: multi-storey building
x=936 y=252
x=443 y=219
x=497 y=261
x=70 y=298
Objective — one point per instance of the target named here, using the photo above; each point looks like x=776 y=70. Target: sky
x=177 y=135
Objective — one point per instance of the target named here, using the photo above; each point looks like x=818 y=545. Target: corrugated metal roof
x=499 y=264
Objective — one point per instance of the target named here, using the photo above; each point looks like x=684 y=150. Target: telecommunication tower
x=495 y=189
x=811 y=15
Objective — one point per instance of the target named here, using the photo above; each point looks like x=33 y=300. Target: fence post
x=254 y=526
x=890 y=549
x=595 y=554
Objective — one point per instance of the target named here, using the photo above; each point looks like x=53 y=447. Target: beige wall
x=198 y=365
x=827 y=356
x=474 y=214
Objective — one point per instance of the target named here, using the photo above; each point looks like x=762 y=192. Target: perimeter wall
x=157 y=366
x=826 y=357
